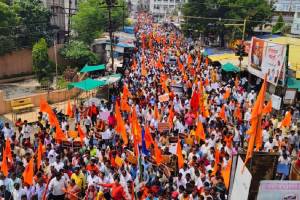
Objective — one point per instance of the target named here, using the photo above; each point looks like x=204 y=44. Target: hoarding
x=267 y=58
x=281 y=190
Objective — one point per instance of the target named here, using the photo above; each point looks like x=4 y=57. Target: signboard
x=164 y=97
x=267 y=58
x=242 y=182
x=163 y=126
x=281 y=190
x=276 y=102
x=290 y=95
x=177 y=89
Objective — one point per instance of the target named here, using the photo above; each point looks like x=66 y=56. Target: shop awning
x=111 y=78
x=87 y=84
x=88 y=68
x=229 y=67
x=293 y=83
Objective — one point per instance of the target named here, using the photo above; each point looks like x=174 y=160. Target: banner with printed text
x=266 y=57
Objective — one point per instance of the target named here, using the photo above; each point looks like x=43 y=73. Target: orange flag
x=69 y=109
x=59 y=134
x=148 y=137
x=28 y=173
x=8 y=150
x=190 y=60
x=227 y=94
x=236 y=82
x=255 y=130
x=171 y=117
x=237 y=112
x=39 y=155
x=134 y=65
x=4 y=167
x=268 y=108
x=119 y=161
x=80 y=133
x=123 y=132
x=164 y=86
x=206 y=61
x=226 y=173
x=126 y=92
x=179 y=155
x=156 y=113
x=124 y=105
x=287 y=120
x=200 y=131
x=43 y=105
x=217 y=161
x=222 y=113
x=180 y=65
x=157 y=152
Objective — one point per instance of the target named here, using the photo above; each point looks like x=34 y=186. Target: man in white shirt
x=7 y=131
x=58 y=165
x=57 y=188
x=26 y=130
x=268 y=147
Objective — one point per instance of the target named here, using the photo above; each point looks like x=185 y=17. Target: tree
x=78 y=54
x=34 y=22
x=214 y=13
x=41 y=64
x=91 y=20
x=8 y=21
x=279 y=25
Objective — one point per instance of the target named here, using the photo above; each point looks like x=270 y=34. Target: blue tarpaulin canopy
x=229 y=67
x=293 y=83
x=87 y=84
x=88 y=68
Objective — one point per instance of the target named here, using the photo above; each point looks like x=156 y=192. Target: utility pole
x=244 y=29
x=109 y=5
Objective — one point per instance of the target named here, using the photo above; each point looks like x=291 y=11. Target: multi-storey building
x=162 y=8
x=290 y=10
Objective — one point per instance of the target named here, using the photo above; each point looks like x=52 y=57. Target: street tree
x=34 y=22
x=214 y=14
x=41 y=65
x=91 y=19
x=8 y=21
x=77 y=53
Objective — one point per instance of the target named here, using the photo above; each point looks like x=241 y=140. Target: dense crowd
x=160 y=141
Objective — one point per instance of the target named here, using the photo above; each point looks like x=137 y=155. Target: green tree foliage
x=92 y=19
x=34 y=22
x=78 y=54
x=279 y=25
x=41 y=64
x=8 y=21
x=255 y=11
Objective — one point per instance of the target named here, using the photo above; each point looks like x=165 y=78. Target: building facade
x=163 y=8
x=290 y=10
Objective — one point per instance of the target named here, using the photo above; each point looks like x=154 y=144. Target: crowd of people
x=158 y=142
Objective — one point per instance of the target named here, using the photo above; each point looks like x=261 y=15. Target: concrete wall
x=21 y=61
x=52 y=97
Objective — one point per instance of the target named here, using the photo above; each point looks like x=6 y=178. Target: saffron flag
x=118 y=161
x=179 y=155
x=268 y=108
x=8 y=150
x=200 y=131
x=80 y=133
x=195 y=101
x=157 y=152
x=217 y=161
x=222 y=113
x=226 y=173
x=28 y=173
x=287 y=120
x=148 y=137
x=4 y=167
x=226 y=94
x=69 y=109
x=156 y=113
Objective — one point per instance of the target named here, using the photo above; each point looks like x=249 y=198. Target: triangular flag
x=226 y=94
x=222 y=113
x=157 y=152
x=148 y=137
x=4 y=167
x=28 y=173
x=217 y=161
x=119 y=161
x=8 y=150
x=237 y=112
x=226 y=173
x=179 y=155
x=268 y=108
x=69 y=109
x=200 y=135
x=80 y=133
x=287 y=120
x=156 y=113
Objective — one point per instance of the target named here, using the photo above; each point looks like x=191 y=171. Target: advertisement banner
x=267 y=58
x=242 y=182
x=281 y=190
